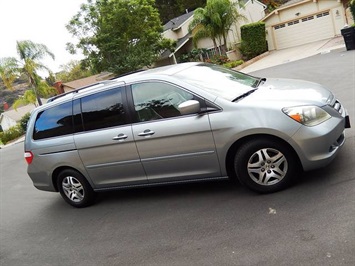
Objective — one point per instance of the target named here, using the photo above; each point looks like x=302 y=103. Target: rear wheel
x=74 y=189
x=265 y=166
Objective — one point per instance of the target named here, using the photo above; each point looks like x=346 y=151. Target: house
x=304 y=21
x=76 y=84
x=11 y=117
x=252 y=10
x=178 y=29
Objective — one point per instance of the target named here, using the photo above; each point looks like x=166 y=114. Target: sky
x=40 y=21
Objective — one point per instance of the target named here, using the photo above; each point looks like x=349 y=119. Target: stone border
x=251 y=61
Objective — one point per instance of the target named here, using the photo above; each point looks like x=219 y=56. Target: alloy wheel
x=73 y=189
x=267 y=166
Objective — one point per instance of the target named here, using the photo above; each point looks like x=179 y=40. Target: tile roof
x=178 y=21
x=75 y=84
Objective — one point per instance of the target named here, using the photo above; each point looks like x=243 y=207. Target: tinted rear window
x=53 y=122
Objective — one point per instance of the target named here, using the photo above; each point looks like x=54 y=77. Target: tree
x=202 y=26
x=214 y=21
x=117 y=35
x=8 y=71
x=73 y=71
x=352 y=9
x=28 y=98
x=30 y=54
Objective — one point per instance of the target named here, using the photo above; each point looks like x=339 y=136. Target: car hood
x=291 y=90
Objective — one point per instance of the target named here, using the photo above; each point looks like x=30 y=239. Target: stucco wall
x=169 y=34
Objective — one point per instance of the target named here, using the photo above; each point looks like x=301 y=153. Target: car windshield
x=219 y=80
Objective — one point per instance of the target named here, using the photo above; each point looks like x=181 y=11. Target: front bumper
x=347 y=122
x=317 y=146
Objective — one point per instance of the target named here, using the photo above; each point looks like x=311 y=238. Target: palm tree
x=8 y=71
x=202 y=26
x=27 y=98
x=30 y=54
x=215 y=20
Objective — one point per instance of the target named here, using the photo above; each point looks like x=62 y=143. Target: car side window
x=157 y=100
x=103 y=109
x=53 y=122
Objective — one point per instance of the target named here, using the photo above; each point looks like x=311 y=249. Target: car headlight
x=307 y=115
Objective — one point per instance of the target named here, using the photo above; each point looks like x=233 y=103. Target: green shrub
x=253 y=40
x=11 y=134
x=24 y=121
x=194 y=55
x=352 y=9
x=233 y=64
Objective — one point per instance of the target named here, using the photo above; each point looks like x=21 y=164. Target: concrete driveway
x=278 y=57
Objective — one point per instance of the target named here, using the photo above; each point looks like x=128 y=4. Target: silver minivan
x=182 y=123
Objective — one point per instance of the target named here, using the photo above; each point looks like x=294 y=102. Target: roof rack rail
x=108 y=81
x=128 y=73
x=103 y=82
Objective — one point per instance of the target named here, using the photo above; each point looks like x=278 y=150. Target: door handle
x=146 y=132
x=120 y=137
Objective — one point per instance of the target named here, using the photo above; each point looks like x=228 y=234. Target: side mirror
x=189 y=107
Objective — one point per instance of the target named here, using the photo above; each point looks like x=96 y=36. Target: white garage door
x=304 y=30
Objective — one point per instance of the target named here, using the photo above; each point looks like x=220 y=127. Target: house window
x=213 y=52
x=308 y=18
x=324 y=14
x=279 y=26
x=293 y=22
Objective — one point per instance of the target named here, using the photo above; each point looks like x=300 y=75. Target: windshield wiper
x=244 y=95
x=258 y=82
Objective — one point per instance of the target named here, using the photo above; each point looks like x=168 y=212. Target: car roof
x=159 y=71
x=165 y=70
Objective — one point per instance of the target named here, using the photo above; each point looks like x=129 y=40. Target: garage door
x=304 y=30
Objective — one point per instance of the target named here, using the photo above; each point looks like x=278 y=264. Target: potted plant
x=233 y=53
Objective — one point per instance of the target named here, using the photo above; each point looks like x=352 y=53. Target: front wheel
x=74 y=189
x=265 y=166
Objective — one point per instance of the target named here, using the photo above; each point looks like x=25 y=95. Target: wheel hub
x=73 y=189
x=267 y=166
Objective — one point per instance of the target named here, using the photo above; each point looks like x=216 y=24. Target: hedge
x=253 y=40
x=11 y=134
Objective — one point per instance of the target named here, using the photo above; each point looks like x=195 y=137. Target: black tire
x=265 y=165
x=75 y=189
